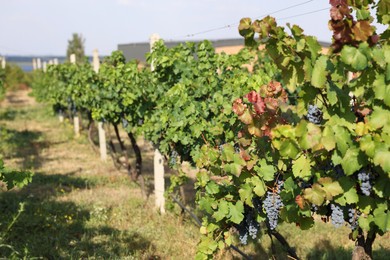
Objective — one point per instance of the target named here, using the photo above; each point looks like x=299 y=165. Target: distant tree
x=76 y=46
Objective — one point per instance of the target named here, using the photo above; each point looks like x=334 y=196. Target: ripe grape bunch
x=125 y=123
x=337 y=215
x=248 y=226
x=314 y=115
x=173 y=158
x=272 y=205
x=353 y=216
x=365 y=185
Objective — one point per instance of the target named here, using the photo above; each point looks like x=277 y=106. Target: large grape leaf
x=320 y=72
x=236 y=212
x=302 y=167
x=354 y=57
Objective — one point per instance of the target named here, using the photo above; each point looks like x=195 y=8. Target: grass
x=79 y=207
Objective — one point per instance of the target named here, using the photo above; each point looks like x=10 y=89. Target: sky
x=43 y=27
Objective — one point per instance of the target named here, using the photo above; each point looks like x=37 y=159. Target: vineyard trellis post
x=76 y=121
x=3 y=62
x=34 y=64
x=159 y=181
x=39 y=64
x=102 y=133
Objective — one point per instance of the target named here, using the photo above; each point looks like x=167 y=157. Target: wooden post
x=159 y=181
x=3 y=63
x=44 y=66
x=61 y=116
x=34 y=64
x=76 y=121
x=102 y=133
x=96 y=61
x=55 y=61
x=102 y=142
x=39 y=64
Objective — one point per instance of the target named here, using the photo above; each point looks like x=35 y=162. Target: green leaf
x=328 y=139
x=260 y=187
x=236 y=212
x=379 y=118
x=289 y=149
x=367 y=145
x=311 y=138
x=228 y=153
x=207 y=246
x=332 y=188
x=354 y=57
x=266 y=171
x=365 y=222
x=212 y=188
x=315 y=194
x=302 y=167
x=320 y=72
x=342 y=138
x=366 y=204
x=382 y=218
x=352 y=161
x=381 y=89
x=382 y=156
x=382 y=187
x=350 y=195
x=222 y=212
x=246 y=193
x=233 y=168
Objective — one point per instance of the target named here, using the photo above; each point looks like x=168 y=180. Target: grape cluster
x=365 y=185
x=248 y=227
x=173 y=158
x=314 y=115
x=272 y=205
x=353 y=217
x=125 y=123
x=337 y=215
x=220 y=148
x=236 y=148
x=339 y=172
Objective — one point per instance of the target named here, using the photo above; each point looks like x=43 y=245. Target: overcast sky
x=43 y=27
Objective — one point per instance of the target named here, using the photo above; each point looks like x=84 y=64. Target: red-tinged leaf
x=253 y=96
x=300 y=201
x=375 y=38
x=245 y=27
x=259 y=106
x=238 y=107
x=271 y=103
x=336 y=3
x=244 y=154
x=335 y=14
x=255 y=130
x=362 y=30
x=246 y=117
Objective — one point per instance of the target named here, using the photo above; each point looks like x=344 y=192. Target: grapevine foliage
x=14 y=178
x=295 y=134
x=323 y=132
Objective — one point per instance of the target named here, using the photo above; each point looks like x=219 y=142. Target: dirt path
x=19 y=98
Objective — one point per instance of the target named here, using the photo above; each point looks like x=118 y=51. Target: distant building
x=138 y=51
